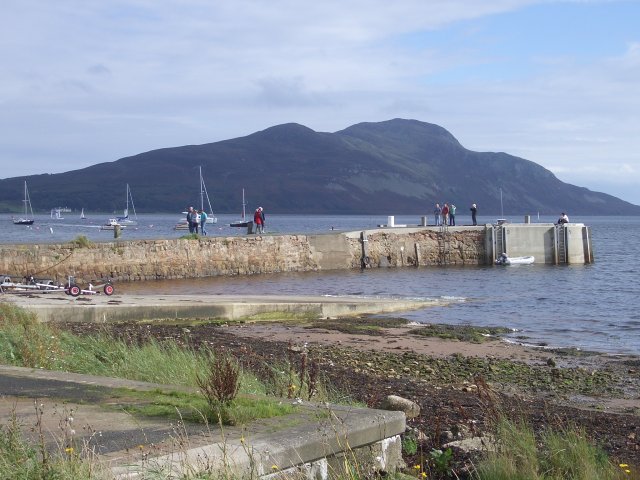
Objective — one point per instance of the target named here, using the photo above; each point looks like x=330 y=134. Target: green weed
x=566 y=454
x=81 y=241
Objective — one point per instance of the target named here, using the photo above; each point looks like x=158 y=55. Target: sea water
x=591 y=307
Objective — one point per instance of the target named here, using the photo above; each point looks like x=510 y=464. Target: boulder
x=395 y=403
x=485 y=443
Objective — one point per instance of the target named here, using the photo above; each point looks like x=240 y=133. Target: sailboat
x=82 y=217
x=27 y=209
x=211 y=218
x=243 y=222
x=124 y=219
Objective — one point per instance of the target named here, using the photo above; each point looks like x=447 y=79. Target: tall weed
x=565 y=454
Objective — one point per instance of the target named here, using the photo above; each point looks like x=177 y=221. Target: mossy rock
x=463 y=333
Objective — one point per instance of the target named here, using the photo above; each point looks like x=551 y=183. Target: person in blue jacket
x=437 y=213
x=203 y=221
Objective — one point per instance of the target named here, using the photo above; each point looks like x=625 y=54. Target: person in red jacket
x=257 y=219
x=445 y=214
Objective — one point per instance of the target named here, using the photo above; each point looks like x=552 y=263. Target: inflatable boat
x=504 y=259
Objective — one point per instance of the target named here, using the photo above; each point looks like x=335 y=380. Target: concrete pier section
x=57 y=307
x=548 y=243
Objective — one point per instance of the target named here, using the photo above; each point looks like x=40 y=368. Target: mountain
x=393 y=167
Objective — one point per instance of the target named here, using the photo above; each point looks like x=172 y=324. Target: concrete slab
x=71 y=409
x=56 y=306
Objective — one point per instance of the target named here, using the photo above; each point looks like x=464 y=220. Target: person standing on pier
x=203 y=220
x=257 y=219
x=452 y=215
x=437 y=213
x=262 y=217
x=196 y=220
x=474 y=211
x=190 y=214
x=445 y=214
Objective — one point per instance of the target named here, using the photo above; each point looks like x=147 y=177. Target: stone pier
x=133 y=260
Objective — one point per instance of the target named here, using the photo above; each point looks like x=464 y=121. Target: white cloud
x=92 y=81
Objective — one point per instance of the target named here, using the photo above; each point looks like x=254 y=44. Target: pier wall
x=134 y=260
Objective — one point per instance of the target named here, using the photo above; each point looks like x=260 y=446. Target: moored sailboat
x=124 y=219
x=243 y=222
x=26 y=220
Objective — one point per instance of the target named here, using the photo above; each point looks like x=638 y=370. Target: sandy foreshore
x=367 y=358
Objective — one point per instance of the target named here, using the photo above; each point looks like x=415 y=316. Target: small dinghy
x=504 y=259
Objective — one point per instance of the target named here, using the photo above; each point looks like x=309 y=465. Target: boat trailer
x=44 y=285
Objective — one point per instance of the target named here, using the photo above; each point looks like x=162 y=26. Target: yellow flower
x=69 y=449
x=417 y=467
x=623 y=465
x=424 y=475
x=627 y=471
x=274 y=467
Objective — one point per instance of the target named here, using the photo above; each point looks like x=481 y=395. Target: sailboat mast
x=126 y=210
x=130 y=197
x=204 y=193
x=243 y=205
x=201 y=190
x=27 y=202
x=25 y=199
x=501 y=209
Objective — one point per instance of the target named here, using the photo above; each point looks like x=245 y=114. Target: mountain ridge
x=397 y=166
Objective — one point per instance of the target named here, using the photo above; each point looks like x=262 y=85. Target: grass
x=190 y=236
x=564 y=454
x=25 y=342
x=193 y=407
x=81 y=241
x=20 y=459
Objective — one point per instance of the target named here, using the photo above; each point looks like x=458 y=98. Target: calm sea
x=592 y=307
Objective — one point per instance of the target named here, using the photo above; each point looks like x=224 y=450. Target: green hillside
x=393 y=167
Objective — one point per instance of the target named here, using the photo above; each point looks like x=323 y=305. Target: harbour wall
x=134 y=260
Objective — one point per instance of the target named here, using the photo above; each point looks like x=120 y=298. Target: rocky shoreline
x=460 y=379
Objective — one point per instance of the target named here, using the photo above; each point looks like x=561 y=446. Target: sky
x=90 y=81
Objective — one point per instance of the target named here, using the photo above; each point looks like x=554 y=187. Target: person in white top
x=563 y=218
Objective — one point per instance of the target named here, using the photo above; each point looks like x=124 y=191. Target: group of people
x=446 y=215
x=196 y=220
